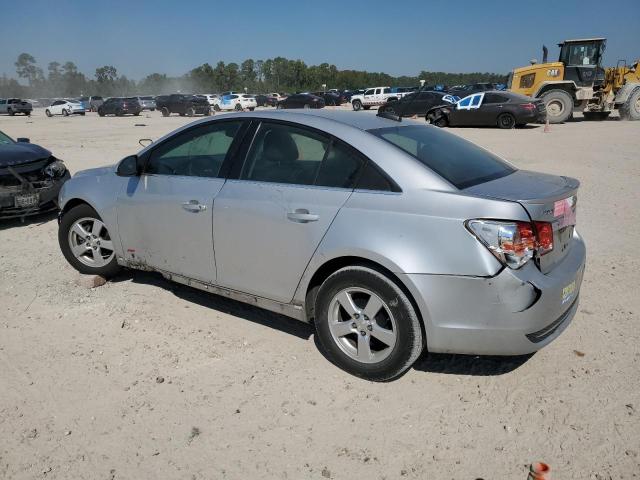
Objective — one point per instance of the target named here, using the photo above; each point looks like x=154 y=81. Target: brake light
x=513 y=243
x=528 y=106
x=544 y=232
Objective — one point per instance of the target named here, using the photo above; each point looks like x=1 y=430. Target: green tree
x=26 y=67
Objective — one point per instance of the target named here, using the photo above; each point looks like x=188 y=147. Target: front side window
x=458 y=161
x=198 y=153
x=388 y=90
x=285 y=154
x=369 y=92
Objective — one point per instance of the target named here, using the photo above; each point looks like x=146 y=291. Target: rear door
x=269 y=220
x=165 y=214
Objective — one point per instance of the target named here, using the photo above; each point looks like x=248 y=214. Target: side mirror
x=23 y=140
x=128 y=167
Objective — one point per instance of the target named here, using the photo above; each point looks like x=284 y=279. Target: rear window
x=458 y=161
x=146 y=98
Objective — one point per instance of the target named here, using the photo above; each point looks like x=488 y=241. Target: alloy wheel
x=362 y=326
x=90 y=242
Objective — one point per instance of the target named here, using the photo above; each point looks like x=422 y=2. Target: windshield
x=456 y=160
x=5 y=139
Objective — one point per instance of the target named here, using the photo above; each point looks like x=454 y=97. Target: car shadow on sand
x=37 y=220
x=428 y=362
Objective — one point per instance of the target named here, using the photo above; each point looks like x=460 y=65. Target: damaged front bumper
x=31 y=197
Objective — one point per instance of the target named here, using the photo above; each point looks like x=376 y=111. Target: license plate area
x=26 y=200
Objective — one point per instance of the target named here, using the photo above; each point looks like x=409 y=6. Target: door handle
x=193 y=206
x=302 y=215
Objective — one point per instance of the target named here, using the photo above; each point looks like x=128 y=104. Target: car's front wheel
x=86 y=243
x=65 y=113
x=367 y=324
x=48 y=113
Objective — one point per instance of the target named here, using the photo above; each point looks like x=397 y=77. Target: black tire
x=66 y=223
x=152 y=109
x=367 y=107
x=630 y=110
x=238 y=107
x=251 y=109
x=65 y=113
x=409 y=337
x=216 y=108
x=207 y=112
x=356 y=105
x=137 y=114
x=82 y=113
x=506 y=121
x=101 y=112
x=11 y=112
x=48 y=113
x=165 y=112
x=437 y=119
x=559 y=105
x=279 y=107
x=191 y=112
x=119 y=112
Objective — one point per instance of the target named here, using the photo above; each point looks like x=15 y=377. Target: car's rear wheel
x=356 y=105
x=191 y=112
x=48 y=113
x=216 y=108
x=119 y=112
x=437 y=118
x=238 y=107
x=506 y=121
x=165 y=112
x=65 y=113
x=367 y=324
x=11 y=112
x=86 y=243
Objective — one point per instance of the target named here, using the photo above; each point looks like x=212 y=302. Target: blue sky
x=145 y=36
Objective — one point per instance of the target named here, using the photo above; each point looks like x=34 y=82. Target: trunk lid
x=546 y=198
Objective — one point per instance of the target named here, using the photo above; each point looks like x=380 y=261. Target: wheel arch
x=308 y=289
x=569 y=87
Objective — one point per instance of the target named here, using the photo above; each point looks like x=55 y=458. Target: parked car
x=301 y=100
x=417 y=103
x=348 y=94
x=11 y=106
x=147 y=103
x=235 y=101
x=211 y=98
x=489 y=109
x=91 y=103
x=30 y=178
x=266 y=101
x=410 y=237
x=182 y=104
x=65 y=107
x=330 y=98
x=374 y=97
x=120 y=106
x=278 y=96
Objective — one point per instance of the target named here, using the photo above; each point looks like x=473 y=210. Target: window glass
x=495 y=98
x=340 y=167
x=369 y=92
x=285 y=154
x=475 y=100
x=378 y=91
x=458 y=161
x=3 y=102
x=373 y=179
x=388 y=90
x=199 y=152
x=465 y=102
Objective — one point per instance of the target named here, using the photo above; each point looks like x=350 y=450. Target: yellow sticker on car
x=568 y=291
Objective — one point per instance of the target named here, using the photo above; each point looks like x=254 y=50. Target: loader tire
x=559 y=105
x=630 y=110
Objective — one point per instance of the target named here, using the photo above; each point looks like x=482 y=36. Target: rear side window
x=373 y=179
x=458 y=161
x=340 y=167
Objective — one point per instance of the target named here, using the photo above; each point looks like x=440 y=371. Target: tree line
x=272 y=75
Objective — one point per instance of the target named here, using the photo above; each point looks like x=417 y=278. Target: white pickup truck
x=374 y=97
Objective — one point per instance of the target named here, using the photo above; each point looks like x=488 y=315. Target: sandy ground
x=144 y=379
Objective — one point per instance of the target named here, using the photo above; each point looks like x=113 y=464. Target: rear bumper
x=515 y=312
x=47 y=201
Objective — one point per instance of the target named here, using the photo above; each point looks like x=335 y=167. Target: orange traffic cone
x=539 y=471
x=546 y=126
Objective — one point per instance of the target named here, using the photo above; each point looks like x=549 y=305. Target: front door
x=165 y=214
x=269 y=221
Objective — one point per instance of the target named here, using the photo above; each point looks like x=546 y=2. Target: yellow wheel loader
x=577 y=82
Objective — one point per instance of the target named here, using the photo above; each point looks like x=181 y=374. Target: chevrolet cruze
x=391 y=237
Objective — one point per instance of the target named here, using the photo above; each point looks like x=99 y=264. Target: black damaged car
x=30 y=178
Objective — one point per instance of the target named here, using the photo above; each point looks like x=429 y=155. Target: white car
x=65 y=107
x=211 y=98
x=278 y=96
x=236 y=102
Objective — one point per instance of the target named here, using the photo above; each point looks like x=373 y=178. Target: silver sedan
x=391 y=237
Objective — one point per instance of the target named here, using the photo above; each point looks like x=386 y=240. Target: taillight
x=529 y=106
x=513 y=243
